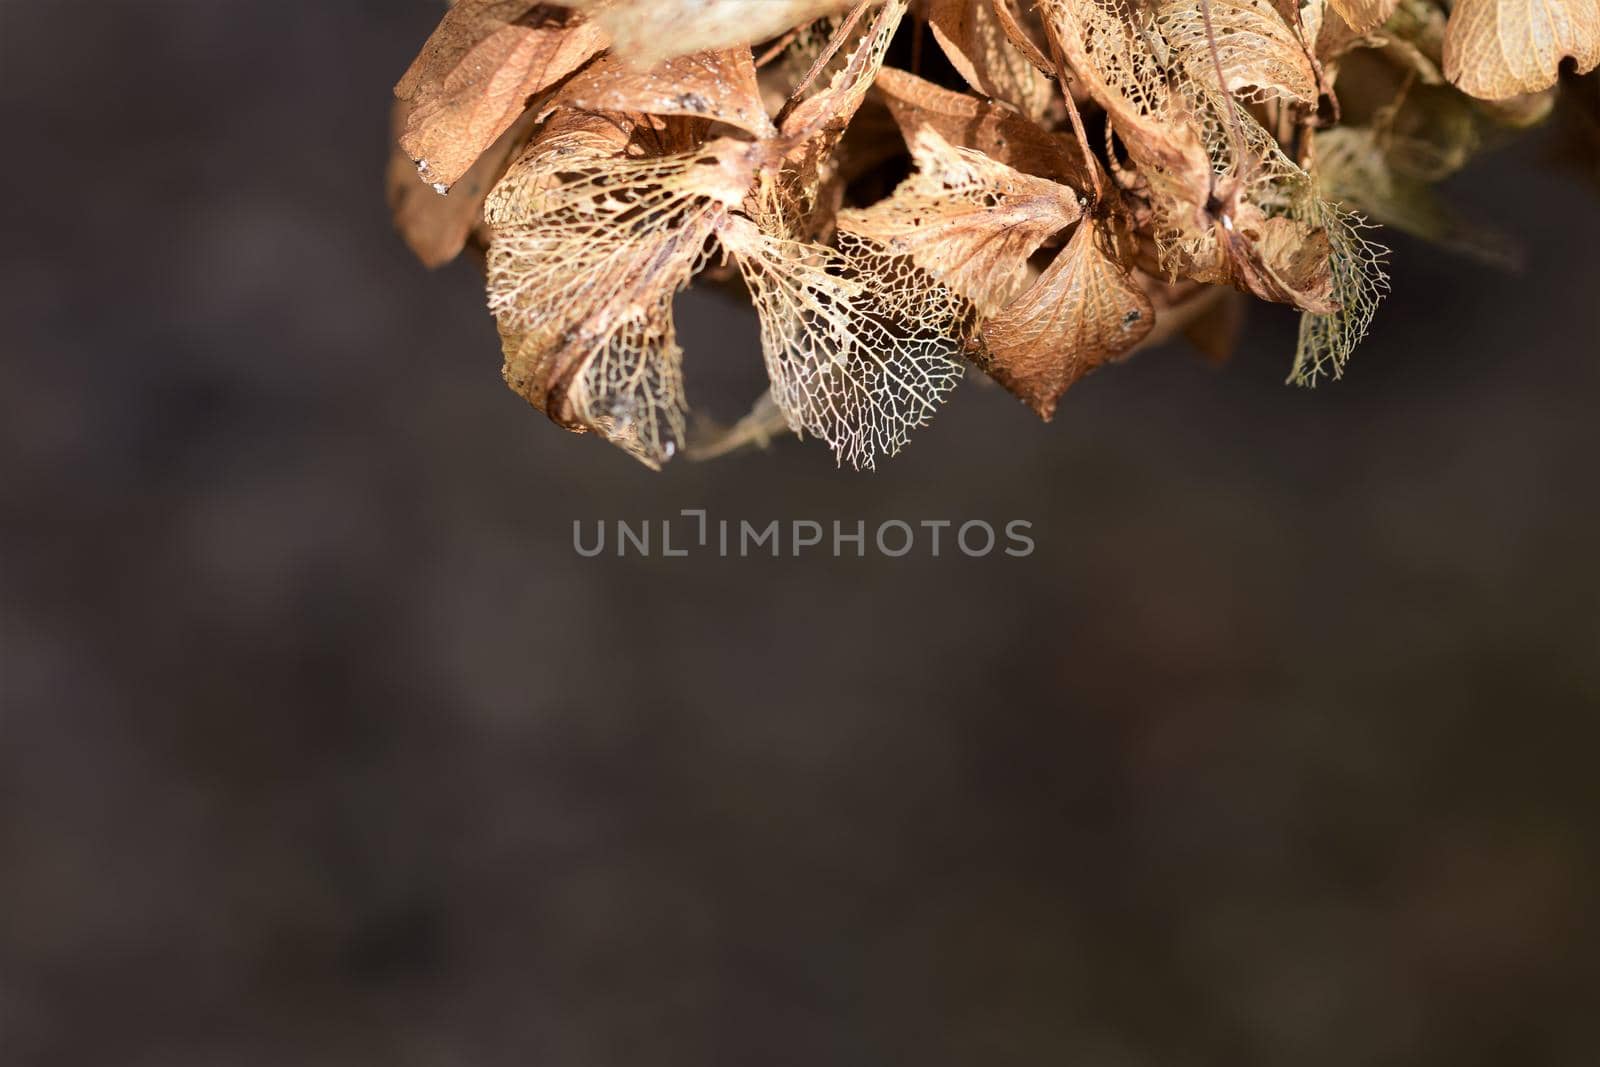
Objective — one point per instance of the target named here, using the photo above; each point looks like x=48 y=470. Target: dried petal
x=649 y=32
x=830 y=109
x=476 y=74
x=1261 y=56
x=1278 y=259
x=1363 y=16
x=1025 y=32
x=1499 y=48
x=968 y=220
x=974 y=40
x=588 y=253
x=861 y=346
x=436 y=227
x=1084 y=310
x=719 y=86
x=1110 y=46
x=997 y=132
x=813 y=129
x=1359 y=285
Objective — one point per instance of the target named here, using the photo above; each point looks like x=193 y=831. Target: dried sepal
x=435 y=226
x=782 y=65
x=968 y=220
x=569 y=142
x=1019 y=20
x=1359 y=283
x=1114 y=49
x=968 y=122
x=1251 y=218
x=828 y=110
x=1494 y=49
x=861 y=346
x=475 y=76
x=649 y=32
x=974 y=39
x=812 y=126
x=587 y=255
x=1084 y=310
x=1363 y=16
x=1253 y=234
x=717 y=86
x=1259 y=54
x=1278 y=258
x=587 y=325
x=1332 y=38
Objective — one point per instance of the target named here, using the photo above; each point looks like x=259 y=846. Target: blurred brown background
x=322 y=747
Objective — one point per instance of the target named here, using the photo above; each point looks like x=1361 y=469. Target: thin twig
x=1222 y=85
x=1072 y=109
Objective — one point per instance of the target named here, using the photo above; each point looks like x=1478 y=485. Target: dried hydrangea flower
x=1037 y=187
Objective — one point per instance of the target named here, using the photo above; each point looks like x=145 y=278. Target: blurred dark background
x=322 y=747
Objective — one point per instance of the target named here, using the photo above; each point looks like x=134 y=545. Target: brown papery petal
x=812 y=130
x=1260 y=55
x=1279 y=259
x=476 y=74
x=861 y=345
x=968 y=220
x=711 y=85
x=1110 y=48
x=436 y=227
x=835 y=105
x=1499 y=48
x=1364 y=16
x=1083 y=311
x=967 y=122
x=974 y=40
x=648 y=32
x=588 y=253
